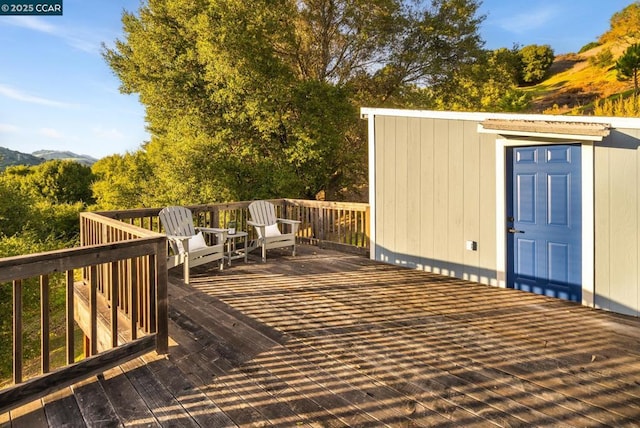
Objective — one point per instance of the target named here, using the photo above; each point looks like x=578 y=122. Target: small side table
x=232 y=252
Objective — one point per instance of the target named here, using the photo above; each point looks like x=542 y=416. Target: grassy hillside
x=575 y=82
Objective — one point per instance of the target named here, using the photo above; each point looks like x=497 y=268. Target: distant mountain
x=54 y=154
x=11 y=157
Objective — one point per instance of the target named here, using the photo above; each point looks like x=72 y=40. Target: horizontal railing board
x=117 y=224
x=354 y=206
x=27 y=266
x=153 y=212
x=43 y=385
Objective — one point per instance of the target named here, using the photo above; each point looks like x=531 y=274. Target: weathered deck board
x=327 y=339
x=62 y=409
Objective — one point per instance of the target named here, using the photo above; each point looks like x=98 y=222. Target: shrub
x=589 y=46
x=620 y=107
x=603 y=59
x=536 y=60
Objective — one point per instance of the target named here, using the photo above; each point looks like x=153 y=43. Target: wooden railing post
x=44 y=323
x=367 y=225
x=162 y=300
x=70 y=339
x=17 y=331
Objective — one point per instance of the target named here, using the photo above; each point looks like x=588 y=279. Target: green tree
x=624 y=26
x=123 y=181
x=536 y=60
x=628 y=66
x=260 y=99
x=15 y=206
x=489 y=85
x=62 y=181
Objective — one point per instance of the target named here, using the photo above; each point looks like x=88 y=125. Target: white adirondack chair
x=263 y=218
x=188 y=246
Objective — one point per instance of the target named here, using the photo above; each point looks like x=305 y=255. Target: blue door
x=544 y=220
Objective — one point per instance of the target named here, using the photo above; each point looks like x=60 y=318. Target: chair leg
x=264 y=253
x=186 y=270
x=293 y=253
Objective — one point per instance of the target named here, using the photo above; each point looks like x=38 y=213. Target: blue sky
x=57 y=92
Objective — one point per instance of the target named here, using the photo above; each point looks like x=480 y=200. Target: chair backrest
x=262 y=212
x=177 y=221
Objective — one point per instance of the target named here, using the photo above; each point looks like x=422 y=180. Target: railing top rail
x=153 y=212
x=117 y=224
x=356 y=206
x=31 y=265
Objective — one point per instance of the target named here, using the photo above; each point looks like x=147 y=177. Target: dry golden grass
x=575 y=83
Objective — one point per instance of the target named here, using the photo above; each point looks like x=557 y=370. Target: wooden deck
x=329 y=339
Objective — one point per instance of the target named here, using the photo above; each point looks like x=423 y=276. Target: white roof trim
x=614 y=122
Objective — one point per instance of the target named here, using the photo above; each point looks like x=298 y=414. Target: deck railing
x=114 y=286
x=334 y=224
x=120 y=271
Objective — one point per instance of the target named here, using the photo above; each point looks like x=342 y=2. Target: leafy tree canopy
x=628 y=65
x=536 y=60
x=62 y=182
x=122 y=181
x=260 y=99
x=624 y=25
x=44 y=201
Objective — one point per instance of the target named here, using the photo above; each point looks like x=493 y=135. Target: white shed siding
x=434 y=188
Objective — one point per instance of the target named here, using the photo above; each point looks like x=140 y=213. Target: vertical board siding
x=427 y=209
x=401 y=191
x=487 y=245
x=414 y=216
x=617 y=228
x=456 y=195
x=602 y=222
x=441 y=197
x=435 y=189
x=471 y=202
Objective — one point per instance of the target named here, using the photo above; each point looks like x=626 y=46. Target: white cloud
x=111 y=134
x=82 y=40
x=52 y=133
x=528 y=21
x=18 y=95
x=33 y=23
x=8 y=129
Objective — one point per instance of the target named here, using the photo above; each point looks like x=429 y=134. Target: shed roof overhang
x=576 y=131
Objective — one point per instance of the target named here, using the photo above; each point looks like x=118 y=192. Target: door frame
x=588 y=243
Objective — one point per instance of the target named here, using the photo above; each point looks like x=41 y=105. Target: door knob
x=512 y=230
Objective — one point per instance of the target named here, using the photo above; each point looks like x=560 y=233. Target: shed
x=546 y=204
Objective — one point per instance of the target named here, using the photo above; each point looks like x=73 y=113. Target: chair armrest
x=221 y=234
x=292 y=223
x=178 y=237
x=262 y=228
x=183 y=240
x=287 y=221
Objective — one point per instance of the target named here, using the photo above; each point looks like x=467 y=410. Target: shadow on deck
x=329 y=339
